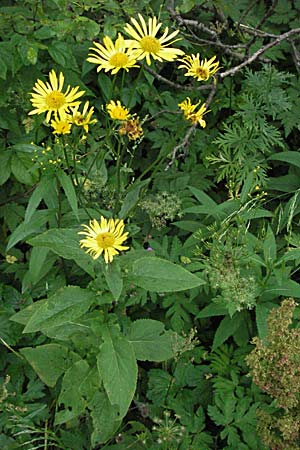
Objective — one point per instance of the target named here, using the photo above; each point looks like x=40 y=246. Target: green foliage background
x=150 y=351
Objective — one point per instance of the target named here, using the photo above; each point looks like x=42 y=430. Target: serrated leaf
x=117 y=367
x=49 y=361
x=150 y=340
x=65 y=305
x=159 y=275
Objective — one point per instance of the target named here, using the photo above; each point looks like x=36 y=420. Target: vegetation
x=150 y=237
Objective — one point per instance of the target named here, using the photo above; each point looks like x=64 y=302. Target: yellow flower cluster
x=144 y=43
x=50 y=98
x=129 y=125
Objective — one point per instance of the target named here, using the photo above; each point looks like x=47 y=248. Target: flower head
x=116 y=111
x=190 y=113
x=105 y=236
x=62 y=125
x=145 y=44
x=83 y=119
x=48 y=97
x=132 y=128
x=112 y=56
x=201 y=70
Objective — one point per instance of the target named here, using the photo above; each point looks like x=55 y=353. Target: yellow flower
x=112 y=56
x=116 y=111
x=201 y=70
x=145 y=44
x=48 y=97
x=190 y=113
x=83 y=119
x=132 y=128
x=105 y=236
x=62 y=125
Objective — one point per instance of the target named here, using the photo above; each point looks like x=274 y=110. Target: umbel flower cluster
x=62 y=105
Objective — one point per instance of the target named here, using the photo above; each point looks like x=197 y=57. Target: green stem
x=118 y=174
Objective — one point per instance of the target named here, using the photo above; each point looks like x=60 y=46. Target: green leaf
x=3 y=69
x=159 y=275
x=20 y=166
x=105 y=418
x=118 y=369
x=228 y=326
x=70 y=396
x=113 y=277
x=37 y=196
x=105 y=86
x=68 y=187
x=37 y=259
x=262 y=311
x=65 y=243
x=150 y=340
x=132 y=198
x=24 y=230
x=65 y=305
x=25 y=314
x=49 y=361
x=214 y=309
x=5 y=157
x=287 y=157
x=269 y=246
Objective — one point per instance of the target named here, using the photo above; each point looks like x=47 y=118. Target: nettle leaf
x=117 y=366
x=70 y=396
x=159 y=275
x=105 y=416
x=65 y=305
x=50 y=361
x=65 y=243
x=150 y=340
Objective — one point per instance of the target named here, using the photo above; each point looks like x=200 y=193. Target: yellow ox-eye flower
x=112 y=56
x=201 y=70
x=83 y=119
x=106 y=236
x=62 y=125
x=49 y=97
x=146 y=44
x=116 y=111
x=190 y=113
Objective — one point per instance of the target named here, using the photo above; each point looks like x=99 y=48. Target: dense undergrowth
x=150 y=240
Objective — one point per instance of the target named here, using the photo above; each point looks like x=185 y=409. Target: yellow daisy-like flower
x=145 y=44
x=112 y=56
x=83 y=119
x=116 y=111
x=132 y=128
x=190 y=113
x=62 y=125
x=105 y=236
x=201 y=70
x=48 y=97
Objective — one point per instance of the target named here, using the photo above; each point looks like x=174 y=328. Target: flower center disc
x=202 y=73
x=105 y=240
x=55 y=100
x=150 y=44
x=119 y=59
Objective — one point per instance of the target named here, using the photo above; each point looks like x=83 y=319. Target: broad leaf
x=159 y=275
x=49 y=361
x=105 y=416
x=64 y=306
x=118 y=370
x=150 y=340
x=227 y=327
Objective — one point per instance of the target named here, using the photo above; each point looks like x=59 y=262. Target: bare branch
x=259 y=52
x=183 y=144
